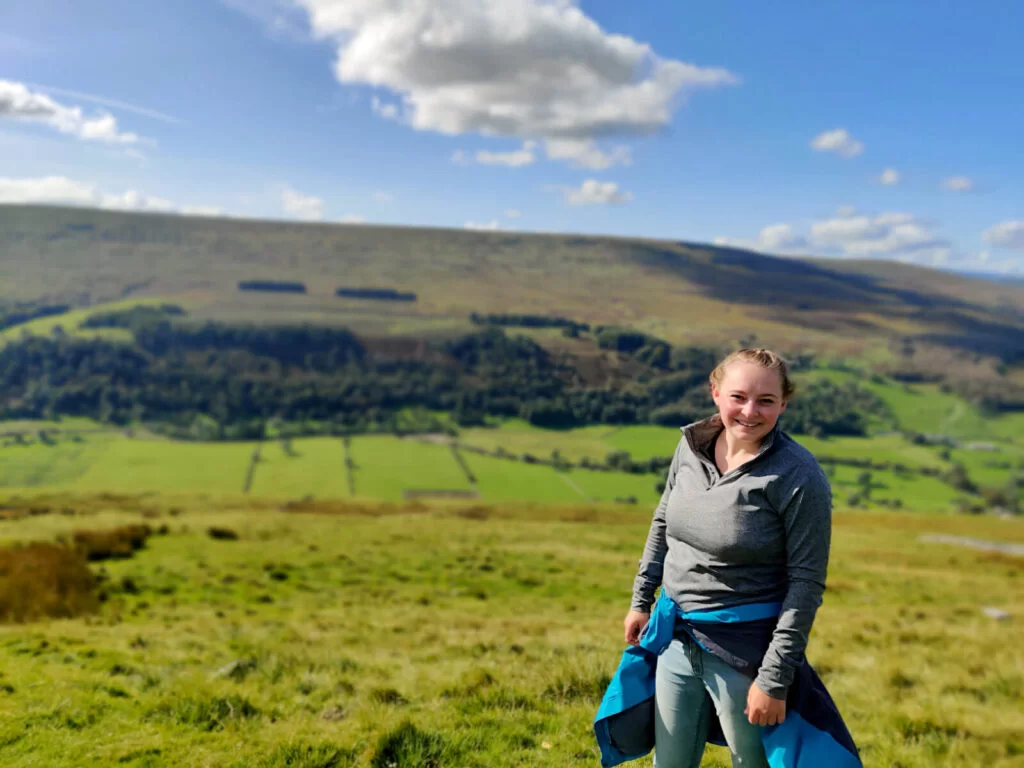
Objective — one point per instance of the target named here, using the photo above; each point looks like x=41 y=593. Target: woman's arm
x=806 y=511
x=648 y=577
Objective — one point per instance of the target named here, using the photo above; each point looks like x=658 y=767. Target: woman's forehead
x=750 y=376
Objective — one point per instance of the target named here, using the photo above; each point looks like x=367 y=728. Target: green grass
x=137 y=466
x=504 y=480
x=385 y=466
x=317 y=468
x=519 y=438
x=645 y=441
x=479 y=641
x=38 y=464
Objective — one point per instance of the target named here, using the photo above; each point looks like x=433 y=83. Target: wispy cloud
x=17 y=102
x=594 y=192
x=1006 y=234
x=300 y=206
x=958 y=184
x=890 y=177
x=106 y=102
x=838 y=141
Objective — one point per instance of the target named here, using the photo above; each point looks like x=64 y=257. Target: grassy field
x=479 y=636
x=384 y=467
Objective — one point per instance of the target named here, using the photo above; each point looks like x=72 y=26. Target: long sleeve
x=652 y=563
x=807 y=516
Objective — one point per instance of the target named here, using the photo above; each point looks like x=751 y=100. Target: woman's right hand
x=634 y=624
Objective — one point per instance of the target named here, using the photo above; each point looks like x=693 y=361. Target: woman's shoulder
x=793 y=459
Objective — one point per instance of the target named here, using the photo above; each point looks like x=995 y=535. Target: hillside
x=684 y=293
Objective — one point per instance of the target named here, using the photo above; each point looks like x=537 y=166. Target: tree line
x=234 y=378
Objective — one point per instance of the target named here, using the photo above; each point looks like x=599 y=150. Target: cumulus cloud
x=584 y=153
x=594 y=192
x=352 y=218
x=958 y=184
x=1006 y=234
x=299 y=206
x=883 y=235
x=486 y=226
x=532 y=69
x=838 y=141
x=512 y=213
x=64 y=191
x=17 y=102
x=845 y=211
x=890 y=177
x=776 y=238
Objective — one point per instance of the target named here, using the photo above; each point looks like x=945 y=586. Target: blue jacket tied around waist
x=812 y=735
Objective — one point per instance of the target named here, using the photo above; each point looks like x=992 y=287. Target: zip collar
x=701 y=436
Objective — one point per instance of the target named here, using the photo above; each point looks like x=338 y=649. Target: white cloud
x=958 y=184
x=515 y=159
x=523 y=68
x=512 y=213
x=299 y=206
x=17 y=102
x=64 y=191
x=387 y=111
x=1006 y=234
x=201 y=210
x=352 y=218
x=780 y=237
x=48 y=189
x=107 y=102
x=882 y=235
x=773 y=239
x=890 y=177
x=838 y=141
x=845 y=211
x=584 y=153
x=594 y=192
x=488 y=226
x=383 y=197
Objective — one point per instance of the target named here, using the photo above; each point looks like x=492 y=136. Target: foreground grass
x=467 y=636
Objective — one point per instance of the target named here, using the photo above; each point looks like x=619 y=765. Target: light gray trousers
x=689 y=682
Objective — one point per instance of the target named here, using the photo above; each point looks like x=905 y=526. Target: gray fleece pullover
x=759 y=533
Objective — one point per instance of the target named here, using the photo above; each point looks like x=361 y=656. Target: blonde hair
x=762 y=357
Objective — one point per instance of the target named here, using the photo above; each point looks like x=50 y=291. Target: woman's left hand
x=762 y=709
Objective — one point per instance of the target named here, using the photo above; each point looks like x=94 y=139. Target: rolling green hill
x=681 y=292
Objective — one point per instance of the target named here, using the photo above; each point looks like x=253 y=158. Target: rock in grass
x=237 y=669
x=995 y=613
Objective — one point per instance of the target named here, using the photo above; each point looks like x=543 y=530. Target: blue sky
x=874 y=129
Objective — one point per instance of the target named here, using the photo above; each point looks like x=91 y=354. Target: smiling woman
x=739 y=544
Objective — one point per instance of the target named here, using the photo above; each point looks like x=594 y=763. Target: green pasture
x=477 y=636
x=385 y=466
x=315 y=466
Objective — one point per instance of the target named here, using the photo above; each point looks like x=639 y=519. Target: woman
x=744 y=521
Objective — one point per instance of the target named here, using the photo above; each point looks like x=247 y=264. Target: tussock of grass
x=408 y=747
x=304 y=755
x=45 y=580
x=208 y=713
x=112 y=544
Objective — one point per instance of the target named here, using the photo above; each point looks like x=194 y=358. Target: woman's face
x=749 y=400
